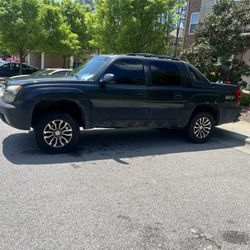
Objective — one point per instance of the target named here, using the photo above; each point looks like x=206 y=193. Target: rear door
x=167 y=94
x=124 y=102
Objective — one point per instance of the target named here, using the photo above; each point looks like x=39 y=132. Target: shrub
x=245 y=99
x=218 y=37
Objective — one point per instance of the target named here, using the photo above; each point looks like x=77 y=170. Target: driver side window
x=127 y=71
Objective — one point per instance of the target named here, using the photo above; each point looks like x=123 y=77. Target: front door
x=122 y=103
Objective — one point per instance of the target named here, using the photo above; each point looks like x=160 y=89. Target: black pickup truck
x=118 y=91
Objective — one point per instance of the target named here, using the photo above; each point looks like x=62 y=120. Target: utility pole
x=180 y=21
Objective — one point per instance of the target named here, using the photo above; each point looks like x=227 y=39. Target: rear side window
x=197 y=78
x=165 y=74
x=194 y=75
x=127 y=71
x=26 y=67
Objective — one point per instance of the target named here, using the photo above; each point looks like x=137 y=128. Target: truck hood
x=27 y=80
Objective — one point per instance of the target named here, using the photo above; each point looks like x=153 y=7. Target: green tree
x=74 y=13
x=180 y=20
x=3 y=50
x=219 y=47
x=57 y=36
x=132 y=25
x=88 y=2
x=19 y=26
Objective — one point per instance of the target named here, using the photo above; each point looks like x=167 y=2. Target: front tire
x=56 y=133
x=200 y=127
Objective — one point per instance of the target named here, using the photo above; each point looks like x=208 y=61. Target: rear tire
x=56 y=133
x=200 y=127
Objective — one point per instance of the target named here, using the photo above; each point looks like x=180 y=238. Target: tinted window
x=194 y=75
x=197 y=77
x=59 y=73
x=165 y=74
x=5 y=66
x=26 y=67
x=9 y=66
x=127 y=71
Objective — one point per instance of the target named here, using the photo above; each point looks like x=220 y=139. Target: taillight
x=237 y=96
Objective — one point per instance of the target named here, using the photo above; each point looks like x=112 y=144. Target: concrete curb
x=247 y=141
x=241 y=136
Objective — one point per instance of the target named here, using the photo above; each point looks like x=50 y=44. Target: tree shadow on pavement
x=116 y=144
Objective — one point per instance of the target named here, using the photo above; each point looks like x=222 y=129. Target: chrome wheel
x=202 y=127
x=57 y=133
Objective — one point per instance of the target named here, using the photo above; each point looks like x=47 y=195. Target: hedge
x=245 y=99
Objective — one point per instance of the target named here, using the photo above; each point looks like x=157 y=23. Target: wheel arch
x=212 y=109
x=65 y=106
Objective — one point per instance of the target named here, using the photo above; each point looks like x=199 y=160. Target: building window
x=194 y=20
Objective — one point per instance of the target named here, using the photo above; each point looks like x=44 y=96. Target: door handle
x=141 y=94
x=178 y=96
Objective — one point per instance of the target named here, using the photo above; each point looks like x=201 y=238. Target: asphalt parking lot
x=125 y=189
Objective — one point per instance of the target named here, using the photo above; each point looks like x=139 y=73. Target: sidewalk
x=239 y=128
x=245 y=115
x=2 y=79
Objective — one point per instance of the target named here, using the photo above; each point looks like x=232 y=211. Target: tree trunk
x=177 y=39
x=21 y=63
x=64 y=61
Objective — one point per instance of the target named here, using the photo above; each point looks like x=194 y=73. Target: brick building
x=196 y=11
x=44 y=60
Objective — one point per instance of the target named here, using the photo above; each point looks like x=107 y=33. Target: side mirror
x=108 y=78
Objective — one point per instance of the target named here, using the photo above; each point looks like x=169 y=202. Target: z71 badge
x=229 y=97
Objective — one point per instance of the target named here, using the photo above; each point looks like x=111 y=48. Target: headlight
x=11 y=92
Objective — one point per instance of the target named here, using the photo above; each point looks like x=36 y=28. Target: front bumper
x=16 y=117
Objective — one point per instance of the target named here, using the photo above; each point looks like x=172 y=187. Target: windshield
x=91 y=67
x=2 y=62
